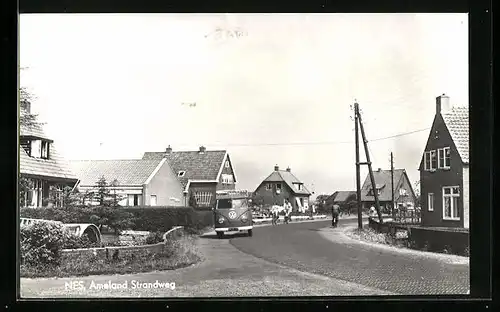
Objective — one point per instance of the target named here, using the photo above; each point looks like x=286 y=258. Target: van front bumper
x=239 y=228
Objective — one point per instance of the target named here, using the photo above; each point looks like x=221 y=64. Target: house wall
x=121 y=191
x=404 y=185
x=270 y=197
x=46 y=183
x=433 y=182
x=466 y=198
x=222 y=186
x=203 y=187
x=166 y=187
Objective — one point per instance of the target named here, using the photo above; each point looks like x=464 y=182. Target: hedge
x=144 y=218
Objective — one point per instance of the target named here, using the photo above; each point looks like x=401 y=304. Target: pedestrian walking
x=288 y=211
x=335 y=215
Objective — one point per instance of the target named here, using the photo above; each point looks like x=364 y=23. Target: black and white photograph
x=243 y=155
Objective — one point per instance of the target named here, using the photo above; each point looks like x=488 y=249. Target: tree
x=25 y=185
x=104 y=196
x=321 y=203
x=67 y=197
x=417 y=193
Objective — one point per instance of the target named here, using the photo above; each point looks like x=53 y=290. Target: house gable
x=193 y=166
x=164 y=186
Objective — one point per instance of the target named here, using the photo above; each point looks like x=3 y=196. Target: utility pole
x=392 y=185
x=358 y=175
x=368 y=162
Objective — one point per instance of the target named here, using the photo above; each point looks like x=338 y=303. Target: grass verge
x=177 y=254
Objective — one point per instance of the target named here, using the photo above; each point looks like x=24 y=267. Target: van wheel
x=250 y=233
x=220 y=235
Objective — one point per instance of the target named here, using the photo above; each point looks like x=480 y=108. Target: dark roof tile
x=129 y=172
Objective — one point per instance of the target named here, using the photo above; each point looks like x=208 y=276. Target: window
x=181 y=173
x=402 y=192
x=134 y=200
x=444 y=158
x=298 y=186
x=226 y=164
x=227 y=179
x=34 y=196
x=451 y=195
x=203 y=198
x=430 y=160
x=45 y=150
x=152 y=201
x=278 y=186
x=58 y=195
x=430 y=202
x=26 y=144
x=269 y=186
x=36 y=148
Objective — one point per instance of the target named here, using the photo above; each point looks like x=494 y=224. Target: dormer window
x=181 y=173
x=45 y=150
x=298 y=186
x=36 y=148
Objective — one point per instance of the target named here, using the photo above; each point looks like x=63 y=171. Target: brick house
x=281 y=185
x=200 y=173
x=42 y=165
x=140 y=182
x=404 y=195
x=444 y=168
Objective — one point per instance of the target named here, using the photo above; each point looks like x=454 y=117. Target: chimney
x=168 y=150
x=442 y=104
x=202 y=149
x=276 y=168
x=288 y=169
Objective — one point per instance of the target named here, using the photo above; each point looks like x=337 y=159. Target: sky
x=271 y=89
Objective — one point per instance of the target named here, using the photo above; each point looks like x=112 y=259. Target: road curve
x=301 y=246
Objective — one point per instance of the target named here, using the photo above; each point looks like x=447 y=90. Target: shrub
x=154 y=238
x=120 y=218
x=41 y=243
x=71 y=241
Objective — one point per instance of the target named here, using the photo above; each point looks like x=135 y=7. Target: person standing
x=335 y=215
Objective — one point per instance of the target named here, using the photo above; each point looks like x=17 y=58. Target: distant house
x=140 y=182
x=444 y=168
x=341 y=198
x=41 y=164
x=281 y=185
x=200 y=173
x=404 y=196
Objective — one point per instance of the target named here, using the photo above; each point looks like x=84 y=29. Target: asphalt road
x=301 y=246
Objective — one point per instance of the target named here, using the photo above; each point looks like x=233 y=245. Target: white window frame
x=430 y=201
x=44 y=149
x=430 y=155
x=442 y=160
x=269 y=187
x=203 y=199
x=451 y=196
x=226 y=164
x=298 y=186
x=227 y=179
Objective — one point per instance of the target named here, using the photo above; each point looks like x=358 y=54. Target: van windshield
x=232 y=203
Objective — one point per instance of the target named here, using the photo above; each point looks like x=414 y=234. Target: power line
x=317 y=143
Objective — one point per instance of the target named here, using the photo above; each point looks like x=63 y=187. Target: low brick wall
x=455 y=241
x=117 y=251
